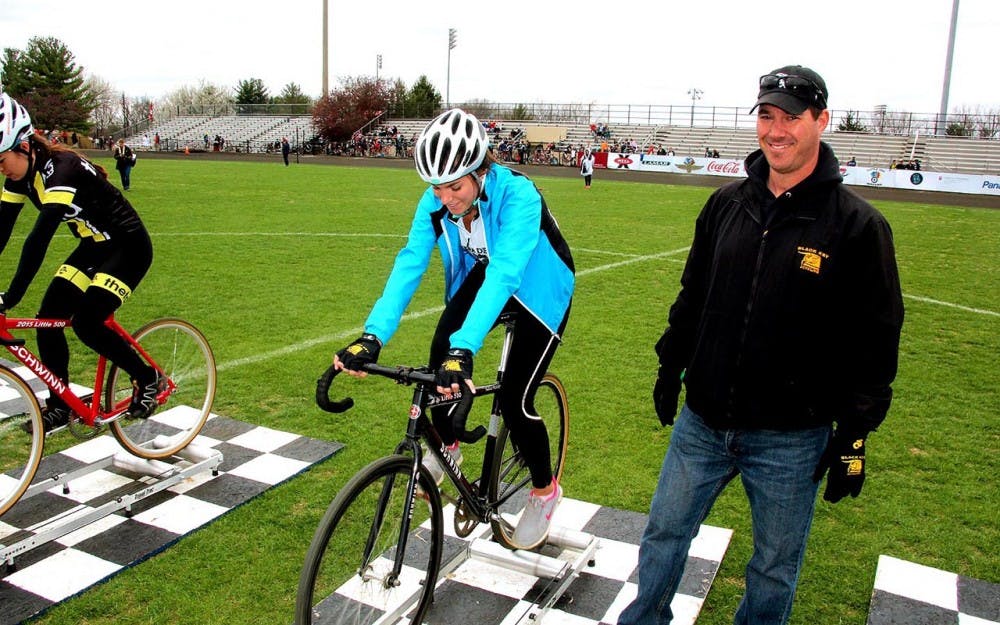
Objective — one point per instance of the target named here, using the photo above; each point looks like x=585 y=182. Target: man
x=787 y=322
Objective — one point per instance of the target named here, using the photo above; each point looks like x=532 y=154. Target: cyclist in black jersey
x=113 y=254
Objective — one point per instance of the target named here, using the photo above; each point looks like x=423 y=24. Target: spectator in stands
x=852 y=162
x=752 y=409
x=892 y=165
x=285 y=150
x=124 y=162
x=156 y=142
x=587 y=168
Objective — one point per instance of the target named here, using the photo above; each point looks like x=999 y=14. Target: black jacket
x=793 y=324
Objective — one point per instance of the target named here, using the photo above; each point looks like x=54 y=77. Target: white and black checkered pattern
x=254 y=460
x=912 y=594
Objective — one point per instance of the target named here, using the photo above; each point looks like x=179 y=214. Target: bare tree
x=106 y=106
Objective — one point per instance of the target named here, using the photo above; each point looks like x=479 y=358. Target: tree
x=47 y=81
x=851 y=122
x=204 y=99
x=295 y=102
x=356 y=103
x=423 y=100
x=13 y=76
x=106 y=106
x=251 y=91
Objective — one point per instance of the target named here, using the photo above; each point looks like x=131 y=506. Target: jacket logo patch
x=812 y=260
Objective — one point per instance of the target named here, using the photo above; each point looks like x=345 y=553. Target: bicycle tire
x=184 y=355
x=509 y=478
x=338 y=583
x=20 y=451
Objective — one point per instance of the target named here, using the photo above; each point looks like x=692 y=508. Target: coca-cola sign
x=728 y=168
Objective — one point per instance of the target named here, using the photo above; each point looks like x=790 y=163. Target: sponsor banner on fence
x=860 y=176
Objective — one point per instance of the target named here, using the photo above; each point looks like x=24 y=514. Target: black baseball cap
x=793 y=89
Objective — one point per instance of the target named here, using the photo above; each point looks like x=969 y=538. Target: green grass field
x=279 y=267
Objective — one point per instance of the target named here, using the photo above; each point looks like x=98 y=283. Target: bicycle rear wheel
x=20 y=452
x=183 y=354
x=347 y=578
x=510 y=480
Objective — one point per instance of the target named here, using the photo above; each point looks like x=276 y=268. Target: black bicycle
x=377 y=551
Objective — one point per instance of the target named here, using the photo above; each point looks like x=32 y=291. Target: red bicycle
x=173 y=347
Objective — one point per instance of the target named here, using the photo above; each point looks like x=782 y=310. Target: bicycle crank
x=464 y=521
x=81 y=430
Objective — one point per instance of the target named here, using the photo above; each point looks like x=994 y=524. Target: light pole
x=946 y=88
x=695 y=95
x=378 y=65
x=451 y=46
x=326 y=48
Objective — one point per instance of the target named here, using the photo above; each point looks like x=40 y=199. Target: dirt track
x=870 y=193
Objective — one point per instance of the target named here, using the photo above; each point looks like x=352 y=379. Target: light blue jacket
x=528 y=260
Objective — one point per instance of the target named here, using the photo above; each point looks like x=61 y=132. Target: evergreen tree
x=250 y=91
x=423 y=100
x=46 y=79
x=296 y=102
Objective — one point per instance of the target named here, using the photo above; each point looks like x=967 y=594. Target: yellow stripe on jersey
x=57 y=196
x=13 y=198
x=74 y=275
x=112 y=285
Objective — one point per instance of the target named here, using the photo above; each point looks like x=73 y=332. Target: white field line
x=927 y=300
x=354 y=332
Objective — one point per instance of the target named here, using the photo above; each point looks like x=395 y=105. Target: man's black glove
x=360 y=352
x=456 y=368
x=845 y=458
x=665 y=393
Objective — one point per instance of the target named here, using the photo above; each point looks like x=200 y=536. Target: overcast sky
x=870 y=52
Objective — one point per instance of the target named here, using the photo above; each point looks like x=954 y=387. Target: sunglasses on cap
x=799 y=86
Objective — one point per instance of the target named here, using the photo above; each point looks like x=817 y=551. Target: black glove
x=665 y=393
x=360 y=352
x=845 y=458
x=456 y=368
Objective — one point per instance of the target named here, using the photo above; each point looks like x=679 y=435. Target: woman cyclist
x=502 y=251
x=113 y=254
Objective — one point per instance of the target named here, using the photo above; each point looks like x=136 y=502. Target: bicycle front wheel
x=22 y=437
x=510 y=479
x=348 y=576
x=184 y=356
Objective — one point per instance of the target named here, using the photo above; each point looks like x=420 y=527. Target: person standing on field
x=587 y=167
x=787 y=322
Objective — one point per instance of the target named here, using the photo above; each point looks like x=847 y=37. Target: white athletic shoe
x=533 y=528
x=434 y=467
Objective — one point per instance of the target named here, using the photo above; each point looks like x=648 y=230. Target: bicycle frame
x=93 y=414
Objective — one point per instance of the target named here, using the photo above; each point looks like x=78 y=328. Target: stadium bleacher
x=260 y=133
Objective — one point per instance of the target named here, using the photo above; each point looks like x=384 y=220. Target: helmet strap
x=475 y=203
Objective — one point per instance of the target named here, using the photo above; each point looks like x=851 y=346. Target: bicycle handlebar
x=402 y=375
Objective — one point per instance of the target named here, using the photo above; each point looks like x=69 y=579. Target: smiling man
x=787 y=322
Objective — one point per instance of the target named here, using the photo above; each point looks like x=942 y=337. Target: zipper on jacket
x=752 y=297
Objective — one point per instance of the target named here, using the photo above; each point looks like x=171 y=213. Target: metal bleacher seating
x=243 y=133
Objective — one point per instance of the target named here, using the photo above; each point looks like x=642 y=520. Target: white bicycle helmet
x=451 y=146
x=15 y=123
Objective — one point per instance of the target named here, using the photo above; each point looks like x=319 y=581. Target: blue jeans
x=126 y=175
x=776 y=468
